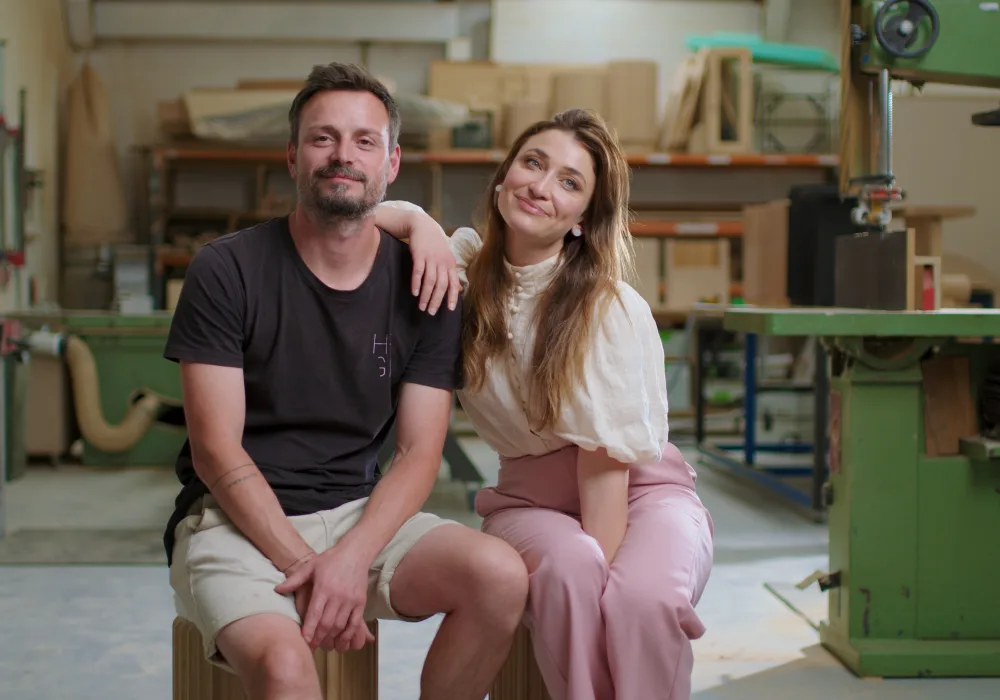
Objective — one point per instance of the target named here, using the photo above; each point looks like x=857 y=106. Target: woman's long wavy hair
x=585 y=282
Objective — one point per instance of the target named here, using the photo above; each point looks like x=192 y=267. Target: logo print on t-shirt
x=383 y=354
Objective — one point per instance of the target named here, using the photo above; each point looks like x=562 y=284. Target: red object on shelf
x=928 y=289
x=14 y=257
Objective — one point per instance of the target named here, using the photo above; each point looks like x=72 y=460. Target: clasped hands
x=331 y=590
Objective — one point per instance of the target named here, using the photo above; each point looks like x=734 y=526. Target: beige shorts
x=219 y=576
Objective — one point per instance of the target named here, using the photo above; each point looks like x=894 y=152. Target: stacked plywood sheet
x=624 y=93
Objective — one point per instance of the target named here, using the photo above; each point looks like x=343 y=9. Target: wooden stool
x=519 y=678
x=350 y=676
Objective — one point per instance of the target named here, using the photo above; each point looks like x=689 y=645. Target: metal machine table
x=913 y=493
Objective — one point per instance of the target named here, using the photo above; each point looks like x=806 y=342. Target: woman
x=564 y=378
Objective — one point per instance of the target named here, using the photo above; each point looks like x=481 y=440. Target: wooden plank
x=703 y=229
x=765 y=253
x=925 y=211
x=715 y=100
x=949 y=412
x=856 y=140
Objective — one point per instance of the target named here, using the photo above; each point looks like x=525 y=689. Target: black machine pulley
x=896 y=32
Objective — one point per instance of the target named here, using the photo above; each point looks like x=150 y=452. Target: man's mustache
x=336 y=170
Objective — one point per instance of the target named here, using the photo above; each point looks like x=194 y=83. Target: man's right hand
x=303 y=592
x=331 y=590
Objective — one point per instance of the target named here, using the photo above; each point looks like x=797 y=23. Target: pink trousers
x=599 y=632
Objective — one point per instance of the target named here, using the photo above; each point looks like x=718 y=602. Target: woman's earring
x=499 y=187
x=576 y=231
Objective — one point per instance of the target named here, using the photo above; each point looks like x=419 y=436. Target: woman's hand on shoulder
x=435 y=270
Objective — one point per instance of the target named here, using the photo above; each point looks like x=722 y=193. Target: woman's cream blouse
x=621 y=404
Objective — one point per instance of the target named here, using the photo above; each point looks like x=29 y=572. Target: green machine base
x=913 y=504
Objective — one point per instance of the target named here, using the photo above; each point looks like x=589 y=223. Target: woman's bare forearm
x=397 y=218
x=603 y=484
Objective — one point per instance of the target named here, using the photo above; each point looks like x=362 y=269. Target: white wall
x=940 y=158
x=36 y=58
x=596 y=31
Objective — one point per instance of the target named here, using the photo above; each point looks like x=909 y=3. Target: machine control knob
x=896 y=32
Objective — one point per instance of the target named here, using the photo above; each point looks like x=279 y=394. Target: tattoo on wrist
x=297 y=561
x=240 y=480
x=233 y=471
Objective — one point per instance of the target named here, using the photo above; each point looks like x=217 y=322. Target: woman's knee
x=563 y=563
x=576 y=571
x=630 y=604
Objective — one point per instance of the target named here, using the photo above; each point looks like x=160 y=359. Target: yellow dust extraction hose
x=87 y=395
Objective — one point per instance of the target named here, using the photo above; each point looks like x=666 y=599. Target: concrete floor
x=100 y=632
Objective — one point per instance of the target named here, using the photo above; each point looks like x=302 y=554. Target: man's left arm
x=422 y=418
x=421 y=423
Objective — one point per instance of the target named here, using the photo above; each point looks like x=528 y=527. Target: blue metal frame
x=768 y=477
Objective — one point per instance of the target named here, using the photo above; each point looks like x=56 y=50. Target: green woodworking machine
x=913 y=436
x=954 y=42
x=913 y=488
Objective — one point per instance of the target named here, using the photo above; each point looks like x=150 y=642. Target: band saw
x=912 y=408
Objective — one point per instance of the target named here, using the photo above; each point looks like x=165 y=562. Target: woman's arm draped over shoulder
x=617 y=415
x=435 y=271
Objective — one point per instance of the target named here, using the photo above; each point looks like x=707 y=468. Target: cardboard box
x=632 y=102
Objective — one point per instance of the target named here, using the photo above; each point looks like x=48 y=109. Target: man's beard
x=339 y=204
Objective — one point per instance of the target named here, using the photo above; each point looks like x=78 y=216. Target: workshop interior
x=815 y=221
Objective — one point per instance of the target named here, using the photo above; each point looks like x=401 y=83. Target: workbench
x=913 y=495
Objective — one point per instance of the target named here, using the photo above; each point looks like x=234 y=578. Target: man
x=300 y=342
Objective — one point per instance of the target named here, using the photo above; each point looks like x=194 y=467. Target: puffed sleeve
x=465 y=243
x=621 y=402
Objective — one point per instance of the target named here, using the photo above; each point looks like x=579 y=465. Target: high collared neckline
x=535 y=276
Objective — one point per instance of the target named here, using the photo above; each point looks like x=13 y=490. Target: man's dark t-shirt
x=322 y=368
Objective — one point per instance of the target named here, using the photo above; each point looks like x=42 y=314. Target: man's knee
x=284 y=667
x=269 y=651
x=499 y=580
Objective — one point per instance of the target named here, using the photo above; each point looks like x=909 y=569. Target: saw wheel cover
x=888 y=26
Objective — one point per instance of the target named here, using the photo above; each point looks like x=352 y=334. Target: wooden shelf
x=693 y=229
x=217 y=151
x=704 y=220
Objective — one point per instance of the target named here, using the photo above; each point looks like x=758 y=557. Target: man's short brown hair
x=344 y=77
